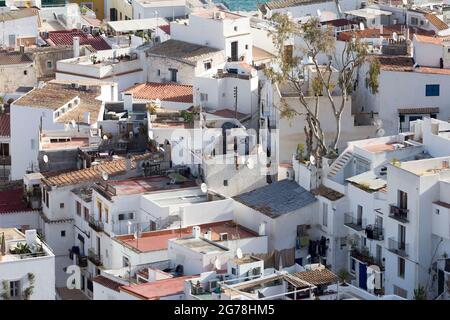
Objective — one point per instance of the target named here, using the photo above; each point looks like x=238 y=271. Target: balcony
x=399 y=214
x=5 y=160
x=354 y=223
x=374 y=232
x=95 y=224
x=362 y=254
x=94 y=258
x=399 y=248
x=80 y=258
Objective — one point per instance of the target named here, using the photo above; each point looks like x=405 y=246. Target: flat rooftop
x=141 y=185
x=200 y=245
x=385 y=147
x=158 y=240
x=185 y=51
x=74 y=143
x=12 y=238
x=277 y=198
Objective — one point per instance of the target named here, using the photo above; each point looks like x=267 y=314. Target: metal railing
x=397 y=213
x=353 y=222
x=374 y=232
x=94 y=257
x=364 y=256
x=399 y=248
x=95 y=224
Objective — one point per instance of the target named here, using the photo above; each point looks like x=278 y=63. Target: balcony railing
x=400 y=248
x=353 y=222
x=374 y=232
x=94 y=258
x=5 y=160
x=399 y=214
x=95 y=224
x=364 y=256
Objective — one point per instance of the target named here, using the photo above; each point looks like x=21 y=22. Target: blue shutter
x=432 y=90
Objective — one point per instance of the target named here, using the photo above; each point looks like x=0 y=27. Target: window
x=99 y=208
x=233 y=271
x=61 y=205
x=235 y=28
x=352 y=265
x=78 y=208
x=207 y=65
x=432 y=90
x=63 y=233
x=402 y=199
x=288 y=52
x=49 y=64
x=106 y=214
x=436 y=211
x=126 y=216
x=325 y=214
x=86 y=214
x=173 y=75
x=14 y=288
x=246 y=47
x=25 y=72
x=203 y=97
x=158 y=72
x=125 y=262
x=225 y=183
x=414 y=21
x=401 y=268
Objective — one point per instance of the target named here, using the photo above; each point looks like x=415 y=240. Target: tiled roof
x=181 y=50
x=279 y=4
x=261 y=54
x=157 y=289
x=423 y=110
x=94 y=173
x=19 y=14
x=163 y=91
x=165 y=28
x=5 y=127
x=428 y=39
x=277 y=198
x=436 y=21
x=315 y=277
x=328 y=193
x=227 y=113
x=11 y=202
x=66 y=38
x=55 y=94
x=395 y=63
x=7 y=58
x=108 y=283
x=388 y=31
x=432 y=70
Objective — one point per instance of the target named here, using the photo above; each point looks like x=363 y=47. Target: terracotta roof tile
x=66 y=38
x=163 y=91
x=165 y=28
x=423 y=110
x=436 y=21
x=395 y=63
x=157 y=289
x=11 y=202
x=5 y=129
x=108 y=283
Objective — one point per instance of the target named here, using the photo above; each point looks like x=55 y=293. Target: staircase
x=172 y=221
x=340 y=163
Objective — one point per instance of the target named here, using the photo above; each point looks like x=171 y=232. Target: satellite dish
x=312 y=160
x=217 y=264
x=239 y=253
x=105 y=137
x=204 y=187
x=250 y=163
x=361 y=26
x=105 y=175
x=380 y=132
x=45 y=158
x=395 y=36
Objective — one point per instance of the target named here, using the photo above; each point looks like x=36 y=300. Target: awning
x=423 y=110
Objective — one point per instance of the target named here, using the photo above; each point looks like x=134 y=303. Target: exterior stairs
x=340 y=163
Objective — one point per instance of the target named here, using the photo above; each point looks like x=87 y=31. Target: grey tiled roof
x=277 y=198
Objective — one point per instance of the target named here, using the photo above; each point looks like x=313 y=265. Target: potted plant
x=420 y=293
x=300 y=152
x=343 y=276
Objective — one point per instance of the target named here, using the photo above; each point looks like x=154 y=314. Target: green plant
x=21 y=248
x=5 y=294
x=187 y=116
x=300 y=151
x=27 y=292
x=419 y=293
x=343 y=275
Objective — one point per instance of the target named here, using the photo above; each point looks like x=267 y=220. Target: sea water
x=241 y=5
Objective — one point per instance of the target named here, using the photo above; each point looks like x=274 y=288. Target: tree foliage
x=333 y=80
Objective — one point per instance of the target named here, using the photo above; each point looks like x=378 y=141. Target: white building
x=29 y=273
x=19 y=27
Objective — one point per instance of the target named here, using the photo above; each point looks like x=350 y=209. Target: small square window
x=235 y=28
x=49 y=64
x=225 y=183
x=246 y=47
x=25 y=72
x=61 y=205
x=436 y=211
x=63 y=233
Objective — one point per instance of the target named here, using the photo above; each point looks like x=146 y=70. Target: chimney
x=22 y=49
x=87 y=117
x=31 y=237
x=196 y=232
x=76 y=47
x=128 y=101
